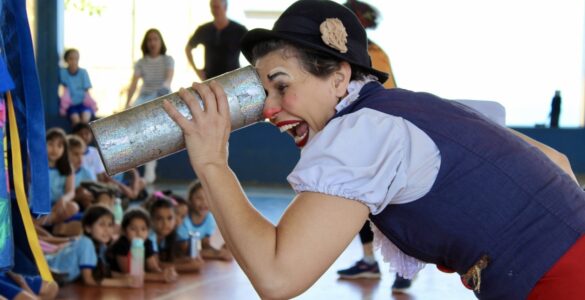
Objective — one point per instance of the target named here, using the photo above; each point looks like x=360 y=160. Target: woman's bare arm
x=281 y=261
x=169 y=78
x=132 y=88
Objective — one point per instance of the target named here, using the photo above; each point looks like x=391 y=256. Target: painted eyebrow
x=272 y=76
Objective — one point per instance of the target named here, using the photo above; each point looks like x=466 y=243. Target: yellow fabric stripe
x=31 y=234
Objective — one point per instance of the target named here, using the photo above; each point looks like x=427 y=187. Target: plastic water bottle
x=118 y=211
x=195 y=244
x=137 y=258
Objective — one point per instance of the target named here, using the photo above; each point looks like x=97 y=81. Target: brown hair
x=62 y=164
x=313 y=61
x=144 y=46
x=68 y=52
x=74 y=141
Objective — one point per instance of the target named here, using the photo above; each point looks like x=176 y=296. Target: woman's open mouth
x=299 y=130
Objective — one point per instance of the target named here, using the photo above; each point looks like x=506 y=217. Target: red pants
x=566 y=279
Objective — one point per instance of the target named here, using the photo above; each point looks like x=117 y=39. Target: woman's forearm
x=169 y=78
x=131 y=90
x=241 y=225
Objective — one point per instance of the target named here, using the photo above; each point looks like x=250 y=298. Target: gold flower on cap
x=333 y=34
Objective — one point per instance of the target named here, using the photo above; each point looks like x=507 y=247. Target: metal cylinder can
x=146 y=132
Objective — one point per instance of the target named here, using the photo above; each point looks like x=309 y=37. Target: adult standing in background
x=555 y=110
x=221 y=39
x=156 y=69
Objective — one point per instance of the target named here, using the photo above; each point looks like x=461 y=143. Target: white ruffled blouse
x=372 y=157
x=377 y=159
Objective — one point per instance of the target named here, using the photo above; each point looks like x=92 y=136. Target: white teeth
x=298 y=139
x=287 y=127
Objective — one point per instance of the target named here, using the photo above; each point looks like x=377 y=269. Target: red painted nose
x=270 y=112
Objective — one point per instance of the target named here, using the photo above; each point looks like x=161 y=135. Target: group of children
x=81 y=239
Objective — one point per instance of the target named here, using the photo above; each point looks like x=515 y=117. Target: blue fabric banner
x=6 y=240
x=18 y=75
x=18 y=48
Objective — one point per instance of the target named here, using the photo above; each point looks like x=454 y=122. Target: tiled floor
x=220 y=280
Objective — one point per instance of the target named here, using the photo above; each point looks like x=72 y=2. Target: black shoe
x=361 y=269
x=401 y=284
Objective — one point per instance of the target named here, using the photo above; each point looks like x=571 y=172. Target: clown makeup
x=297 y=102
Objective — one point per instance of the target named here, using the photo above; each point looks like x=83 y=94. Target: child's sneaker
x=361 y=269
x=401 y=284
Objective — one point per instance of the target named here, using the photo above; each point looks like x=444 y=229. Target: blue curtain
x=18 y=75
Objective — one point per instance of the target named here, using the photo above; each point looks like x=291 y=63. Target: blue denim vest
x=496 y=199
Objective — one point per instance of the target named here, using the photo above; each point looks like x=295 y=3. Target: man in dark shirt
x=221 y=39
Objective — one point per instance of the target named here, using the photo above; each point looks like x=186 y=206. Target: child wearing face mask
x=164 y=237
x=85 y=257
x=136 y=224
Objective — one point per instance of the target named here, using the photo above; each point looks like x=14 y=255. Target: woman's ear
x=341 y=79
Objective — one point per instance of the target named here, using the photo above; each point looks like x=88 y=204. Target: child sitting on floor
x=136 y=224
x=164 y=236
x=76 y=148
x=91 y=157
x=61 y=183
x=181 y=209
x=201 y=220
x=85 y=257
x=76 y=103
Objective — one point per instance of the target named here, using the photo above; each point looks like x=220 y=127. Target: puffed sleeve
x=368 y=156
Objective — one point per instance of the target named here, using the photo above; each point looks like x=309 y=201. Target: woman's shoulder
x=168 y=59
x=140 y=61
x=361 y=123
